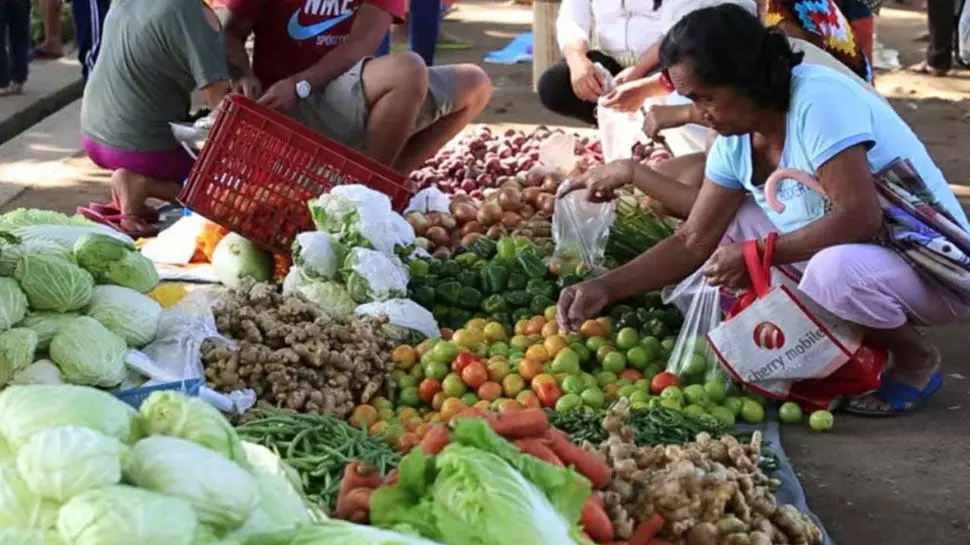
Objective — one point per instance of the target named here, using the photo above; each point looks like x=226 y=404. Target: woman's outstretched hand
x=581 y=302
x=602 y=182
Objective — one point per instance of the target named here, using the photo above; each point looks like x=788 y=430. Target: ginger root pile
x=709 y=492
x=294 y=356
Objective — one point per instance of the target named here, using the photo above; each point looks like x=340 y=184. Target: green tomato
x=700 y=345
x=593 y=397
x=651 y=371
x=574 y=385
x=696 y=395
x=671 y=403
x=407 y=381
x=627 y=391
x=653 y=348
x=605 y=378
x=643 y=385
x=469 y=399
x=453 y=386
x=614 y=362
x=667 y=346
x=692 y=365
x=733 y=404
x=639 y=396
x=789 y=412
x=723 y=415
x=566 y=361
x=716 y=391
x=673 y=392
x=434 y=369
x=821 y=421
x=481 y=350
x=581 y=351
x=639 y=405
x=397 y=374
x=627 y=338
x=499 y=348
x=752 y=412
x=444 y=352
x=569 y=402
x=409 y=397
x=695 y=410
x=590 y=380
x=624 y=382
x=637 y=358
x=417 y=372
x=595 y=343
x=760 y=399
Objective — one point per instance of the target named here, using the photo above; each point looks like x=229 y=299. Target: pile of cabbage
x=353 y=263
x=80 y=467
x=71 y=300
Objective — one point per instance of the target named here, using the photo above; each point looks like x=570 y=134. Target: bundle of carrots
x=529 y=430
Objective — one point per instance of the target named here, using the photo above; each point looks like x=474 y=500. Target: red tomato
x=462 y=361
x=663 y=381
x=428 y=388
x=631 y=374
x=474 y=375
x=548 y=394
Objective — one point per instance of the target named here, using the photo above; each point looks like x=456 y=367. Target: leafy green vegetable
x=494 y=304
x=10 y=255
x=52 y=283
x=60 y=463
x=126 y=313
x=193 y=419
x=19 y=506
x=448 y=292
x=331 y=212
x=318 y=253
x=46 y=324
x=221 y=492
x=332 y=297
x=89 y=354
x=24 y=217
x=494 y=278
x=13 y=303
x=17 y=347
x=95 y=252
x=28 y=536
x=119 y=515
x=28 y=410
x=280 y=488
x=39 y=372
x=373 y=276
x=337 y=532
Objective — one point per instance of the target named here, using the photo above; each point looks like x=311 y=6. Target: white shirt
x=624 y=29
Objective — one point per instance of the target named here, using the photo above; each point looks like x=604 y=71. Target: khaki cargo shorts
x=340 y=111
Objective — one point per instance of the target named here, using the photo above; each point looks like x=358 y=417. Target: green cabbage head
x=126 y=313
x=17 y=347
x=95 y=252
x=114 y=261
x=123 y=515
x=26 y=411
x=338 y=532
x=133 y=271
x=53 y=283
x=89 y=354
x=190 y=418
x=60 y=463
x=46 y=324
x=26 y=536
x=222 y=493
x=13 y=303
x=11 y=255
x=19 y=506
x=39 y=372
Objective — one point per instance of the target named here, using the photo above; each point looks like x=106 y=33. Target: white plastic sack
x=374 y=276
x=383 y=229
x=177 y=244
x=364 y=197
x=964 y=28
x=403 y=313
x=315 y=252
x=430 y=199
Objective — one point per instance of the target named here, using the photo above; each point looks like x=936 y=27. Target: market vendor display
x=315 y=65
x=154 y=55
x=771 y=112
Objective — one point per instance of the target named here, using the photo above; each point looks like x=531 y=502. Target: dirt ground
x=891 y=482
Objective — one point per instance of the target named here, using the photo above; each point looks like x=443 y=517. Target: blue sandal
x=901 y=398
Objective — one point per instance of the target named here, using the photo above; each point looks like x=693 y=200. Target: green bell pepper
x=434 y=265
x=467 y=260
x=419 y=268
x=518 y=298
x=541 y=288
x=540 y=303
x=505 y=249
x=448 y=292
x=469 y=298
x=442 y=313
x=449 y=269
x=424 y=296
x=495 y=303
x=484 y=248
x=468 y=279
x=517 y=281
x=503 y=318
x=459 y=317
x=531 y=264
x=521 y=314
x=494 y=278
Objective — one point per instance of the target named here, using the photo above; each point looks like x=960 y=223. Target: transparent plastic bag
x=692 y=358
x=618 y=131
x=581 y=228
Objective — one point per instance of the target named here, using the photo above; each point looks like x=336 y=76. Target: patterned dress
x=825 y=22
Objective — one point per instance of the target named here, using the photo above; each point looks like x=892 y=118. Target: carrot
x=357 y=499
x=435 y=440
x=598 y=498
x=596 y=522
x=537 y=448
x=645 y=531
x=392 y=477
x=518 y=424
x=596 y=470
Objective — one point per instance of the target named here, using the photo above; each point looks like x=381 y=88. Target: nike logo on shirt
x=298 y=31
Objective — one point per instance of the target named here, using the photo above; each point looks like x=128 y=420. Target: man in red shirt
x=312 y=60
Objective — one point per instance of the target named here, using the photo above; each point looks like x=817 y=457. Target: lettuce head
x=53 y=283
x=10 y=255
x=126 y=313
x=29 y=536
x=114 y=261
x=89 y=354
x=338 y=532
x=124 y=515
x=46 y=324
x=13 y=303
x=39 y=372
x=17 y=347
x=331 y=297
x=20 y=507
x=60 y=463
x=178 y=415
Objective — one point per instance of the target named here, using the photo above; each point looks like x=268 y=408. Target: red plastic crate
x=259 y=168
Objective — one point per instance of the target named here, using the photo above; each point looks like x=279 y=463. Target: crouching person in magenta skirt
x=154 y=54
x=772 y=112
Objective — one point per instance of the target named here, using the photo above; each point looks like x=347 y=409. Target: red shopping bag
x=778 y=342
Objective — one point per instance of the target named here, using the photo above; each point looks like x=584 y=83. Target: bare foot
x=926 y=69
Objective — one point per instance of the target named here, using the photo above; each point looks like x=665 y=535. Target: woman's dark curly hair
x=726 y=45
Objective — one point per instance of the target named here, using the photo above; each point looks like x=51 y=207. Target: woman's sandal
x=93 y=210
x=131 y=225
x=901 y=398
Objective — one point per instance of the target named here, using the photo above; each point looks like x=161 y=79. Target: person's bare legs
x=133 y=190
x=472 y=91
x=50 y=14
x=395 y=87
x=686 y=169
x=915 y=361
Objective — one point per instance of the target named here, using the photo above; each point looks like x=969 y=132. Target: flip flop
x=39 y=53
x=902 y=398
x=518 y=50
x=112 y=209
x=116 y=222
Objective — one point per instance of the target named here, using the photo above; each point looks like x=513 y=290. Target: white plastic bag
x=430 y=199
x=964 y=28
x=316 y=253
x=403 y=313
x=374 y=276
x=363 y=197
x=618 y=131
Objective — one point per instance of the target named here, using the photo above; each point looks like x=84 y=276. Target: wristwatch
x=303 y=89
